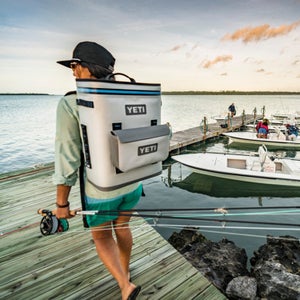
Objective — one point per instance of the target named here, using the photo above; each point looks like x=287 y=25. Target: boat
x=223 y=119
x=273 y=128
x=275 y=139
x=286 y=118
x=280 y=116
x=260 y=168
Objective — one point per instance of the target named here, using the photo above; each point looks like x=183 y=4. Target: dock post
x=204 y=125
x=229 y=120
x=263 y=111
x=243 y=118
x=254 y=113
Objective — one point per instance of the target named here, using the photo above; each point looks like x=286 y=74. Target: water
x=28 y=122
x=184 y=112
x=27 y=131
x=27 y=139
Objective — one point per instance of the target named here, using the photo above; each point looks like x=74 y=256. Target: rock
x=285 y=250
x=275 y=282
x=242 y=288
x=276 y=267
x=183 y=239
x=220 y=262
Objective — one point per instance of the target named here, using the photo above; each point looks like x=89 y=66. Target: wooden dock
x=65 y=265
x=184 y=138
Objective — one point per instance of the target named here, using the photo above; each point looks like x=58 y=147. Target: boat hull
x=248 y=178
x=215 y=165
x=250 y=138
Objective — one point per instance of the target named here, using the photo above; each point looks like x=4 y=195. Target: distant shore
x=230 y=93
x=25 y=94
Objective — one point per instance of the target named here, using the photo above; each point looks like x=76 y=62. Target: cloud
x=253 y=61
x=176 y=48
x=296 y=62
x=190 y=47
x=264 y=72
x=262 y=32
x=209 y=63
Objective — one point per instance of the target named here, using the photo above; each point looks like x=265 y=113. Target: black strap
x=82 y=189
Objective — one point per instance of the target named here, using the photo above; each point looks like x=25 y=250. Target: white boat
x=260 y=169
x=280 y=116
x=286 y=118
x=223 y=119
x=272 y=128
x=275 y=140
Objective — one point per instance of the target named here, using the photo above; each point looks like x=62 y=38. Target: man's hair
x=96 y=70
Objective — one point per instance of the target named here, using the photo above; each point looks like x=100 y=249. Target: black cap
x=92 y=53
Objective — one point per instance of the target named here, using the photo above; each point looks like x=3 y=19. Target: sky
x=204 y=45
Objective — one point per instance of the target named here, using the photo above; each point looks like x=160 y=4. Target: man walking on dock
x=92 y=61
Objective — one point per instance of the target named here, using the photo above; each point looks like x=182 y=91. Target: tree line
x=229 y=93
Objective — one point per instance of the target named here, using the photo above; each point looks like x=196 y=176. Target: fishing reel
x=51 y=225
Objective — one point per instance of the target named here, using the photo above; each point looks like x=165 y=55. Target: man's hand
x=63 y=213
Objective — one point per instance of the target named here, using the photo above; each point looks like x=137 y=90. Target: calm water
x=27 y=139
x=27 y=131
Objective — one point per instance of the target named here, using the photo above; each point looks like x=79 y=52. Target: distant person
x=262 y=128
x=292 y=132
x=111 y=234
x=232 y=110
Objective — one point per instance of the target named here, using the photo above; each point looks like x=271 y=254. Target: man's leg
x=108 y=252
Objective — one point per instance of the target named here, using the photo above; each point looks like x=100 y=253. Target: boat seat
x=269 y=165
x=262 y=153
x=279 y=135
x=256 y=166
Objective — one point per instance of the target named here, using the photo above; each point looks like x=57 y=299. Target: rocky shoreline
x=274 y=272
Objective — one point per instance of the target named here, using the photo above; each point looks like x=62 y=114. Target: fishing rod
x=50 y=224
x=221 y=209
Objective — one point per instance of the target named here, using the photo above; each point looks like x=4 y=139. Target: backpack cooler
x=123 y=140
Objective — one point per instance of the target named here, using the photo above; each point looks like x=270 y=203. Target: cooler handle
x=108 y=77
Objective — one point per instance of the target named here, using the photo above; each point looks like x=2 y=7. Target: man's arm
x=63 y=207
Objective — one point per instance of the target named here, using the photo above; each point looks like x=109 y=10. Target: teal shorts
x=122 y=202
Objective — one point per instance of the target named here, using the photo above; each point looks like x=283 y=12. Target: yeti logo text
x=135 y=109
x=142 y=150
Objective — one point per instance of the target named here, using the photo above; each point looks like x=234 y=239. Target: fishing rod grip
x=44 y=212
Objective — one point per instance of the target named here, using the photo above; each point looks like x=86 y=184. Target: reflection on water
x=218 y=187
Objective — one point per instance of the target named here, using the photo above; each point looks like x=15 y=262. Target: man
x=232 y=110
x=92 y=61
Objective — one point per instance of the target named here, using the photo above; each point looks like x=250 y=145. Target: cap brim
x=66 y=63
